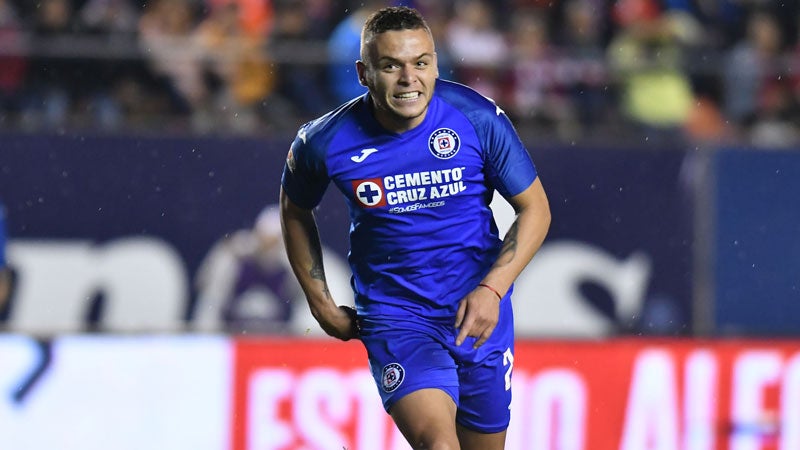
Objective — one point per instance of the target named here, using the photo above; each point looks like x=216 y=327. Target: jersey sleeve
x=305 y=177
x=509 y=167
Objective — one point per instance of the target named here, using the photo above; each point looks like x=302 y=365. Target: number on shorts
x=508 y=360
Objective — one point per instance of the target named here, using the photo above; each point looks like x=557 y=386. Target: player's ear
x=361 y=69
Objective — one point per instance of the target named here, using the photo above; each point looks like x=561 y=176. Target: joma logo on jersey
x=370 y=193
x=444 y=143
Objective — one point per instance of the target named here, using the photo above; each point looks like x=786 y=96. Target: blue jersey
x=422 y=234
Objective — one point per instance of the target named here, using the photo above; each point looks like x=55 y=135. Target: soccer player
x=418 y=160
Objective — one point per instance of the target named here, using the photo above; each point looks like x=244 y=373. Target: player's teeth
x=408 y=95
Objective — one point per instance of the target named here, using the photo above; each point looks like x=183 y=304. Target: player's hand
x=478 y=314
x=341 y=323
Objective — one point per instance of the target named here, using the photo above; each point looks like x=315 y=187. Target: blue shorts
x=409 y=354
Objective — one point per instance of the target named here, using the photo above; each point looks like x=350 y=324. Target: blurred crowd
x=698 y=70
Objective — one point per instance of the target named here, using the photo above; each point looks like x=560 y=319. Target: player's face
x=400 y=73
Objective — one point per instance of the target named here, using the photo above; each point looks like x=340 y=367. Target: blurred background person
x=344 y=49
x=438 y=14
x=110 y=23
x=477 y=46
x=14 y=63
x=256 y=17
x=581 y=40
x=245 y=284
x=238 y=73
x=536 y=89
x=110 y=19
x=300 y=87
x=172 y=59
x=793 y=63
x=748 y=66
x=645 y=55
x=52 y=81
x=775 y=126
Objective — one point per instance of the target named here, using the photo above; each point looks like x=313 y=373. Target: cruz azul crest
x=444 y=143
x=393 y=375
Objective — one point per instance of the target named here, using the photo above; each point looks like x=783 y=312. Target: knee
x=433 y=438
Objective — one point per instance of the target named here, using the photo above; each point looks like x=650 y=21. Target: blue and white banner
x=146 y=234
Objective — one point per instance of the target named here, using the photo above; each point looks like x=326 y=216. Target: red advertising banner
x=641 y=395
x=307 y=394
x=627 y=394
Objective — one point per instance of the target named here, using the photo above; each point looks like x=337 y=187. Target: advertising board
x=757 y=263
x=214 y=393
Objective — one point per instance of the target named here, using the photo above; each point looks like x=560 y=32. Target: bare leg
x=427 y=419
x=473 y=440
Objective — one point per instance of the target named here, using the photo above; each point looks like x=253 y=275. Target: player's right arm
x=304 y=249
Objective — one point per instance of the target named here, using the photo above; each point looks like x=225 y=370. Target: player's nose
x=407 y=74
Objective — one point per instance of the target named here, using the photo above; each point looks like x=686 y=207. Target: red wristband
x=499 y=297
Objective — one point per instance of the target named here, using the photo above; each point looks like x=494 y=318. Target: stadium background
x=138 y=154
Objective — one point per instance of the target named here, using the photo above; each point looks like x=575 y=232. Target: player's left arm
x=524 y=237
x=478 y=312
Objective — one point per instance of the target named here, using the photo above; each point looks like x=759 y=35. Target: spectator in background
x=236 y=62
x=320 y=14
x=774 y=125
x=112 y=22
x=537 y=90
x=112 y=19
x=300 y=85
x=706 y=124
x=478 y=48
x=646 y=56
x=793 y=62
x=172 y=59
x=255 y=16
x=245 y=284
x=438 y=14
x=344 y=47
x=581 y=39
x=747 y=67
x=52 y=80
x=14 y=63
